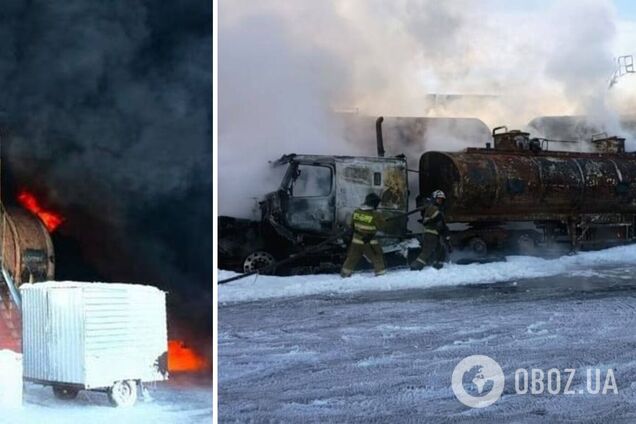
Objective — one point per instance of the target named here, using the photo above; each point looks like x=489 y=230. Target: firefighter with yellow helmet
x=366 y=221
x=436 y=234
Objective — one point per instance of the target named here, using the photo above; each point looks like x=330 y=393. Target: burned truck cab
x=318 y=194
x=313 y=203
x=315 y=200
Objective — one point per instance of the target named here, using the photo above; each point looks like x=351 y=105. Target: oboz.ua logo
x=478 y=381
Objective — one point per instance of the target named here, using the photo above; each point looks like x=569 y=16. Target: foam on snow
x=11 y=381
x=516 y=267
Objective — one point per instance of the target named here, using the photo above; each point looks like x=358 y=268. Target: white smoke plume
x=284 y=67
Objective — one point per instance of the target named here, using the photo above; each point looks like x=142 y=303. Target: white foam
x=11 y=381
x=516 y=267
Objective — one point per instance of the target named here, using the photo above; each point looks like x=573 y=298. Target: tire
x=123 y=393
x=526 y=245
x=257 y=260
x=65 y=392
x=478 y=246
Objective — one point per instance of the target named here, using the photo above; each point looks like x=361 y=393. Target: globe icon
x=476 y=376
x=477 y=381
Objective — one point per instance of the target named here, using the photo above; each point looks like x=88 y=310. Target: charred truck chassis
x=516 y=195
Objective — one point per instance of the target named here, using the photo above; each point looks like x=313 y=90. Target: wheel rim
x=478 y=246
x=257 y=260
x=123 y=393
x=525 y=243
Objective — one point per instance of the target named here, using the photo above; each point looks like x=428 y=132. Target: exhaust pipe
x=378 y=136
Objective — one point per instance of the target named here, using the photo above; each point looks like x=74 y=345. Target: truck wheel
x=478 y=246
x=257 y=260
x=123 y=393
x=65 y=392
x=526 y=245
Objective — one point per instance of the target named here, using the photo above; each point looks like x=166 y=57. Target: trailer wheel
x=65 y=392
x=257 y=260
x=478 y=246
x=123 y=393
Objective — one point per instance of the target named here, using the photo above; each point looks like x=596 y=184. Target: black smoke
x=106 y=110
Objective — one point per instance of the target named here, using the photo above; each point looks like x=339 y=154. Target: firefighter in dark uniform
x=436 y=234
x=366 y=221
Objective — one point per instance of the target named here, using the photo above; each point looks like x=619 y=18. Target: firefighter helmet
x=372 y=200
x=438 y=194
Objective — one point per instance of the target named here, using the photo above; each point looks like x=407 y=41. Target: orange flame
x=50 y=219
x=181 y=358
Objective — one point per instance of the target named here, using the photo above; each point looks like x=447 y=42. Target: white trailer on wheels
x=94 y=336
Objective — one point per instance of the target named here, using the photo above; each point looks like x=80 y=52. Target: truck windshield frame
x=291 y=176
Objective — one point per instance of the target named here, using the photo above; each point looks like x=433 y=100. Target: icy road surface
x=320 y=349
x=184 y=399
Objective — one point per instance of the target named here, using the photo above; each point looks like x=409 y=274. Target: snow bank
x=516 y=267
x=10 y=379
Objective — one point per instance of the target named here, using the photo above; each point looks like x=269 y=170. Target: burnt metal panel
x=355 y=178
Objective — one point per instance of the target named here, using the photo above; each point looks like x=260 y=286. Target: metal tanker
x=27 y=249
x=519 y=179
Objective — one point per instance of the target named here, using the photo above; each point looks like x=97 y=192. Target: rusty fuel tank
x=27 y=249
x=524 y=185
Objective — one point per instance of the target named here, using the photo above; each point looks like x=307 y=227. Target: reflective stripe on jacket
x=366 y=223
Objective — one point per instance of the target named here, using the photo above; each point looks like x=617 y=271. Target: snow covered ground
x=11 y=386
x=184 y=399
x=321 y=349
x=516 y=267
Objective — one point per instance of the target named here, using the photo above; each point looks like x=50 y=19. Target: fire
x=50 y=219
x=181 y=358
